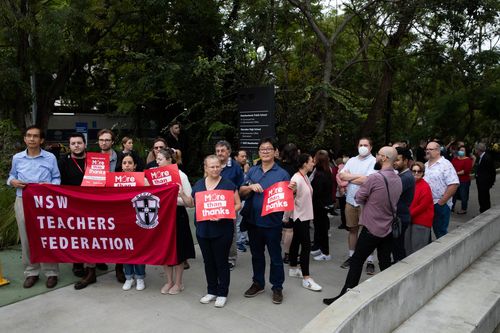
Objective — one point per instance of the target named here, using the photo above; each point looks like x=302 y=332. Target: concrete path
x=105 y=307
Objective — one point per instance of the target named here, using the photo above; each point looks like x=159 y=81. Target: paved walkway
x=105 y=307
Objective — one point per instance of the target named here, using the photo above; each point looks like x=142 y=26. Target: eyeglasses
x=266 y=150
x=417 y=171
x=159 y=147
x=430 y=149
x=105 y=140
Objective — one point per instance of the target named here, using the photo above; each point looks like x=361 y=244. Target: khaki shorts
x=352 y=215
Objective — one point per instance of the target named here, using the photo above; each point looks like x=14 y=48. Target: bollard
x=3 y=281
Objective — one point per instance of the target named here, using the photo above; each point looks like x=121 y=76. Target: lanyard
x=307 y=182
x=78 y=165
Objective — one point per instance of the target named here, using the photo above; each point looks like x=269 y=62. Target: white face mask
x=363 y=151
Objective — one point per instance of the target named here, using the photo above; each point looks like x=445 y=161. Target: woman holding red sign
x=301 y=216
x=214 y=235
x=184 y=240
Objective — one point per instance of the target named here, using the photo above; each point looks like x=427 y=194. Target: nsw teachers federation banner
x=133 y=225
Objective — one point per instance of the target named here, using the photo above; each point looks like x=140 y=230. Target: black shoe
x=30 y=281
x=254 y=290
x=277 y=296
x=346 y=263
x=370 y=268
x=343 y=226
x=51 y=282
x=78 y=270
x=102 y=267
x=329 y=301
x=286 y=258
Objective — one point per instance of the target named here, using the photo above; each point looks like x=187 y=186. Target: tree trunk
x=407 y=13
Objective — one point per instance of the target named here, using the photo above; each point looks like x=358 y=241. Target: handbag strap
x=388 y=195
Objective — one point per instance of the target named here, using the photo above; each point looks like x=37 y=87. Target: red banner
x=214 y=205
x=163 y=175
x=133 y=225
x=95 y=172
x=124 y=179
x=277 y=198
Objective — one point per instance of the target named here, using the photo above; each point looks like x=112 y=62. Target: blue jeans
x=462 y=194
x=137 y=271
x=441 y=220
x=260 y=238
x=242 y=235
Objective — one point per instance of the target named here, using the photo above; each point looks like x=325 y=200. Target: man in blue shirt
x=264 y=230
x=233 y=172
x=33 y=165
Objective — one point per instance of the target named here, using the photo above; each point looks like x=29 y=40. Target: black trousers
x=398 y=244
x=302 y=238
x=321 y=224
x=483 y=195
x=365 y=246
x=215 y=252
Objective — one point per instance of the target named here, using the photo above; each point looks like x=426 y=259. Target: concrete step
x=470 y=303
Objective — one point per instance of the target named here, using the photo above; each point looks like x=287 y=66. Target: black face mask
x=377 y=166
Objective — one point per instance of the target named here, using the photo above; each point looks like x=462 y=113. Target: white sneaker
x=295 y=272
x=128 y=284
x=220 y=302
x=323 y=257
x=140 y=284
x=311 y=285
x=315 y=253
x=207 y=298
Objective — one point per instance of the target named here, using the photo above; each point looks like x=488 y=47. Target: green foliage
x=9 y=145
x=8 y=227
x=158 y=60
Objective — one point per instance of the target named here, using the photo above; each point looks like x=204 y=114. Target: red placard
x=133 y=225
x=95 y=172
x=277 y=198
x=163 y=175
x=214 y=205
x=124 y=179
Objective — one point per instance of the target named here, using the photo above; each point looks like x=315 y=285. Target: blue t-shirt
x=257 y=176
x=212 y=229
x=233 y=172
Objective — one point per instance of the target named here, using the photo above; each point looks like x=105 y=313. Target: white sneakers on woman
x=207 y=298
x=311 y=285
x=323 y=257
x=219 y=300
x=140 y=285
x=295 y=272
x=130 y=282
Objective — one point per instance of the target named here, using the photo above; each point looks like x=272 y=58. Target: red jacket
x=465 y=165
x=422 y=206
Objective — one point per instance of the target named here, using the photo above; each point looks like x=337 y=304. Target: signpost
x=256 y=116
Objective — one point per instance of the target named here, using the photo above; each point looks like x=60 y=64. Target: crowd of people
x=422 y=189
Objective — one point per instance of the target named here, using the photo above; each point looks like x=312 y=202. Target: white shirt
x=440 y=175
x=359 y=166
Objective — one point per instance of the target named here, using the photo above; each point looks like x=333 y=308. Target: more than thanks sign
x=277 y=198
x=214 y=205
